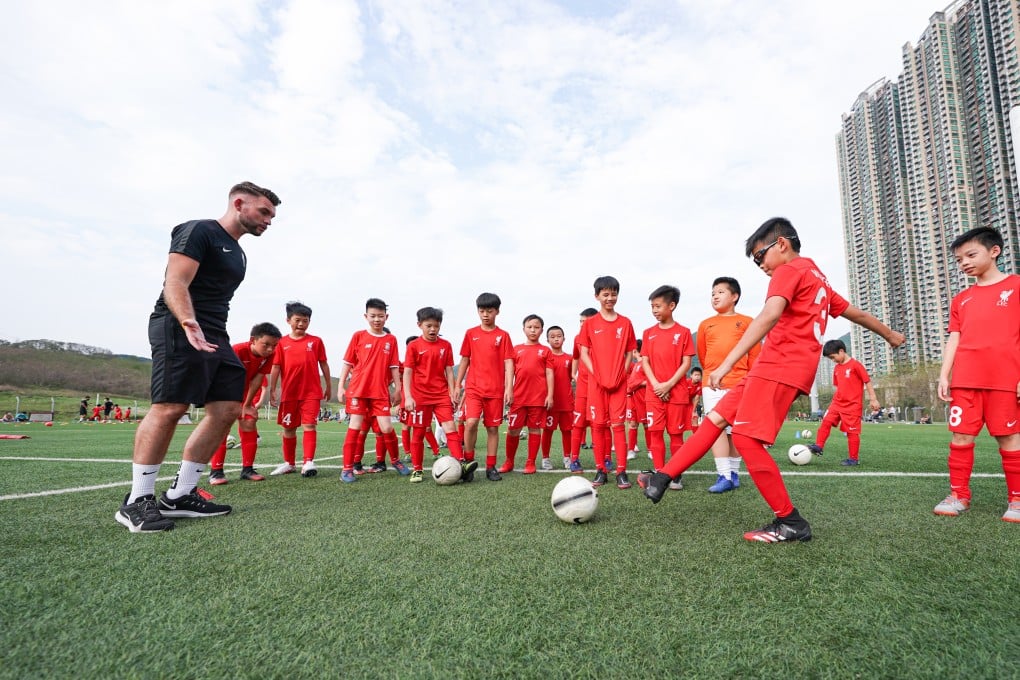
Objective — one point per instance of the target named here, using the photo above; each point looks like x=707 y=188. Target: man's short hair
x=295 y=308
x=986 y=236
x=253 y=189
x=771 y=230
x=488 y=301
x=265 y=329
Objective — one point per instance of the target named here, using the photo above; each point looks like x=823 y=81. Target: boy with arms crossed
x=533 y=394
x=297 y=362
x=850 y=379
x=980 y=374
x=372 y=359
x=606 y=340
x=485 y=382
x=257 y=357
x=797 y=308
x=429 y=390
x=717 y=335
x=666 y=351
x=561 y=415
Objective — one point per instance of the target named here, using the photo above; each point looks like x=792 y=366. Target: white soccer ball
x=446 y=470
x=574 y=500
x=231 y=441
x=805 y=434
x=800 y=454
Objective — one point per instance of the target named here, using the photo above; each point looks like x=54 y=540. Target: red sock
x=599 y=435
x=405 y=438
x=619 y=438
x=430 y=437
x=219 y=455
x=534 y=444
x=631 y=439
x=675 y=442
x=658 y=449
x=290 y=449
x=417 y=447
x=961 y=464
x=823 y=434
x=565 y=435
x=765 y=473
x=853 y=443
x=547 y=436
x=511 y=450
x=308 y=441
x=455 y=444
x=460 y=431
x=648 y=438
x=249 y=446
x=351 y=443
x=576 y=439
x=1011 y=466
x=380 y=447
x=693 y=449
x=391 y=445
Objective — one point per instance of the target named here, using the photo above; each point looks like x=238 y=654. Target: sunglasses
x=760 y=255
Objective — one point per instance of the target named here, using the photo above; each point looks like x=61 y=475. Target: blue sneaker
x=401 y=468
x=347 y=477
x=722 y=485
x=734 y=480
x=576 y=467
x=815 y=449
x=850 y=462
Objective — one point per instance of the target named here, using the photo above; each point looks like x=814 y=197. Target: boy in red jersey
x=850 y=379
x=980 y=374
x=717 y=335
x=607 y=339
x=533 y=394
x=797 y=308
x=694 y=391
x=297 y=362
x=666 y=351
x=485 y=382
x=372 y=359
x=580 y=421
x=636 y=411
x=257 y=357
x=429 y=391
x=561 y=416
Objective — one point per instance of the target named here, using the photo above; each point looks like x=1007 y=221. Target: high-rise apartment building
x=923 y=159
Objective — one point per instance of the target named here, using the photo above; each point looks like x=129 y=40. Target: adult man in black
x=192 y=359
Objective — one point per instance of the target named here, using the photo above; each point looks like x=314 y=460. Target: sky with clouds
x=425 y=152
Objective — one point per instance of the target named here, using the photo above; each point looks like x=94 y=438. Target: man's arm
x=180 y=272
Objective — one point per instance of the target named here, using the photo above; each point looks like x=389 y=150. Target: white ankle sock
x=187 y=479
x=143 y=481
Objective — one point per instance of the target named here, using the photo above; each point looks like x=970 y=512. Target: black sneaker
x=251 y=474
x=216 y=477
x=780 y=531
x=600 y=478
x=492 y=474
x=467 y=470
x=622 y=482
x=654 y=484
x=195 y=504
x=378 y=466
x=142 y=516
x=815 y=449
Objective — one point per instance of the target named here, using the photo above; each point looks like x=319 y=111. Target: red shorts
x=661 y=415
x=294 y=413
x=370 y=408
x=487 y=409
x=531 y=417
x=848 y=422
x=971 y=408
x=757 y=407
x=580 y=411
x=607 y=407
x=562 y=420
x=422 y=415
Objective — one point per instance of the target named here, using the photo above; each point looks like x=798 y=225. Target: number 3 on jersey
x=823 y=313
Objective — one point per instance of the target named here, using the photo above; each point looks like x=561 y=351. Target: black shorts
x=183 y=375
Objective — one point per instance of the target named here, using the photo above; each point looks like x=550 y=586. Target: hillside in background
x=71 y=366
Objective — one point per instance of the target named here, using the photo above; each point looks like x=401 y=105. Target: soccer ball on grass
x=574 y=500
x=800 y=454
x=446 y=470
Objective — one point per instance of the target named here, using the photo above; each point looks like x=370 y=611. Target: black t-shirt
x=221 y=267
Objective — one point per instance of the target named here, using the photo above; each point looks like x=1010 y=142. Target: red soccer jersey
x=988 y=321
x=530 y=364
x=582 y=370
x=253 y=365
x=299 y=367
x=665 y=349
x=794 y=345
x=693 y=389
x=372 y=359
x=608 y=343
x=563 y=397
x=428 y=362
x=849 y=379
x=488 y=352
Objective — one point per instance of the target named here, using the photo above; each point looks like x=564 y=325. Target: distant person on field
x=118 y=415
x=8 y=417
x=192 y=361
x=717 y=335
x=256 y=356
x=298 y=361
x=850 y=379
x=83 y=410
x=373 y=361
x=97 y=413
x=127 y=414
x=980 y=374
x=107 y=408
x=607 y=339
x=533 y=395
x=484 y=382
x=798 y=305
x=561 y=416
x=637 y=412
